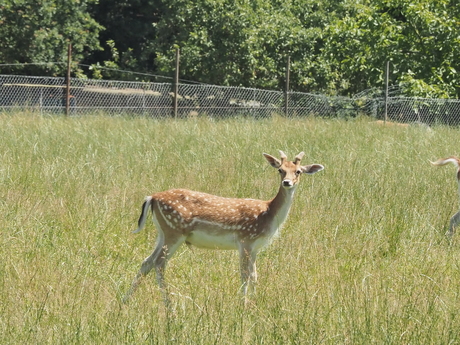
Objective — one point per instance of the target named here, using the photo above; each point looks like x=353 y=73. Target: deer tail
x=143 y=216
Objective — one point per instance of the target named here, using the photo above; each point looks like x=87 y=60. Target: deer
x=455 y=220
x=212 y=222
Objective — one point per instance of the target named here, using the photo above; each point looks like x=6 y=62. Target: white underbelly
x=214 y=240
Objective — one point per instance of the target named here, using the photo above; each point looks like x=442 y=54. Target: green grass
x=362 y=258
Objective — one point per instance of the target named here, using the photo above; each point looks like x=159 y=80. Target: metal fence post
x=387 y=68
x=67 y=91
x=176 y=83
x=286 y=92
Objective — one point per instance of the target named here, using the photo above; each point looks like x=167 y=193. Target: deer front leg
x=454 y=221
x=248 y=270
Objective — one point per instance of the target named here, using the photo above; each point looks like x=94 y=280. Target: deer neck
x=280 y=205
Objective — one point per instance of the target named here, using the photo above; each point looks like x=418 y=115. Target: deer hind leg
x=165 y=248
x=165 y=252
x=146 y=266
x=454 y=221
x=248 y=270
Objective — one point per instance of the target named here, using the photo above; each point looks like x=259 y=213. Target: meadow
x=363 y=257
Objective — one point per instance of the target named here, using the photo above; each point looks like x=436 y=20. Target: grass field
x=362 y=259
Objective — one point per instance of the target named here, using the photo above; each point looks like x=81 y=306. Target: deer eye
x=280 y=170
x=298 y=172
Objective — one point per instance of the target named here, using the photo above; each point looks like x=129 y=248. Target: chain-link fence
x=48 y=95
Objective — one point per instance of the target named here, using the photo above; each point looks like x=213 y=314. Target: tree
x=336 y=46
x=420 y=39
x=234 y=43
x=39 y=32
x=129 y=30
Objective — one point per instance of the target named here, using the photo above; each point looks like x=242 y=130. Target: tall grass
x=362 y=259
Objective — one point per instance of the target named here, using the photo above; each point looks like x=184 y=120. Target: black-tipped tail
x=143 y=216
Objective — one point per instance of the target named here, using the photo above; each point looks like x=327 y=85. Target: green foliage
x=237 y=43
x=129 y=28
x=336 y=47
x=419 y=38
x=362 y=258
x=111 y=69
x=39 y=32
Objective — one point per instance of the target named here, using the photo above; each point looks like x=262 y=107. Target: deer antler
x=283 y=157
x=298 y=158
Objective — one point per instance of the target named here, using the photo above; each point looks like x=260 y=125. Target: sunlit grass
x=362 y=258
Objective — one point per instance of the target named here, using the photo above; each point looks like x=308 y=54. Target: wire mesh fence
x=48 y=95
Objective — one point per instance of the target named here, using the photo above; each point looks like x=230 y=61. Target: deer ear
x=274 y=162
x=312 y=168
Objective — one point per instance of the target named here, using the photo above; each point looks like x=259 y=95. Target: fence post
x=67 y=91
x=387 y=69
x=286 y=92
x=176 y=83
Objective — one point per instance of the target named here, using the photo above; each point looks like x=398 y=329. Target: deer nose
x=287 y=183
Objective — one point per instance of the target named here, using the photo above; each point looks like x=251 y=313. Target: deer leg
x=146 y=266
x=166 y=252
x=171 y=244
x=248 y=269
x=454 y=221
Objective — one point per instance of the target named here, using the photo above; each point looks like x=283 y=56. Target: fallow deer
x=455 y=220
x=213 y=222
